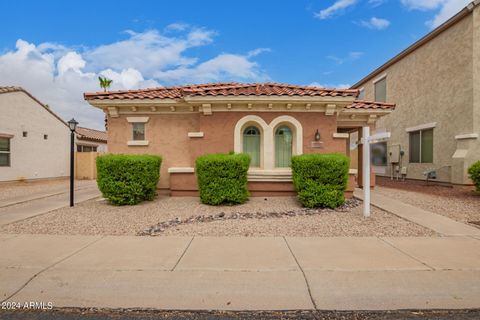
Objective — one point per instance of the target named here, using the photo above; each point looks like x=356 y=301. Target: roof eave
x=432 y=34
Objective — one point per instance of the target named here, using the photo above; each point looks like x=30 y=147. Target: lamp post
x=72 y=124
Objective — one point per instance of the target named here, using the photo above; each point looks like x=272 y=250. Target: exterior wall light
x=317 y=136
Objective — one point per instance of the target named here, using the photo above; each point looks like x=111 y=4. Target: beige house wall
x=437 y=83
x=85 y=165
x=33 y=157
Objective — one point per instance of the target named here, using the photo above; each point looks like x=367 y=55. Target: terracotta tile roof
x=363 y=104
x=91 y=134
x=222 y=89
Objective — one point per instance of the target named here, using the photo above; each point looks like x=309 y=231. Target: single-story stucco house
x=35 y=141
x=90 y=140
x=269 y=121
x=435 y=84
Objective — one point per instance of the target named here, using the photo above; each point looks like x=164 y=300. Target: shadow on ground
x=94 y=314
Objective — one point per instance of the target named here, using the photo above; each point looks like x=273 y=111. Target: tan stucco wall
x=168 y=135
x=434 y=84
x=85 y=165
x=32 y=157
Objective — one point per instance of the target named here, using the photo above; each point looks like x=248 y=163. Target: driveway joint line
x=49 y=267
x=303 y=273
x=44 y=213
x=183 y=253
x=10 y=204
x=407 y=254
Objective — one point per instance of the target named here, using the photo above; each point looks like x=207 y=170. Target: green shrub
x=222 y=178
x=474 y=172
x=320 y=179
x=128 y=179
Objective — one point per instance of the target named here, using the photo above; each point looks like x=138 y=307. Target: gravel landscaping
x=458 y=204
x=273 y=216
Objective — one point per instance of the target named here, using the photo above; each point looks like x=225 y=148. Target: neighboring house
x=435 y=84
x=91 y=140
x=271 y=122
x=34 y=141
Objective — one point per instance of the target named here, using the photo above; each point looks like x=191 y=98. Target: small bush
x=474 y=172
x=320 y=179
x=222 y=178
x=128 y=179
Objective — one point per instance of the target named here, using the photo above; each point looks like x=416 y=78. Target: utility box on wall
x=394 y=153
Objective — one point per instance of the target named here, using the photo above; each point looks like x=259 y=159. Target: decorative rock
x=157 y=229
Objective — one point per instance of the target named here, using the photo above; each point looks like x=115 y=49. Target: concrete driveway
x=29 y=203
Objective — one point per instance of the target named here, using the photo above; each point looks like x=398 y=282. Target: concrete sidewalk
x=241 y=273
x=37 y=206
x=436 y=222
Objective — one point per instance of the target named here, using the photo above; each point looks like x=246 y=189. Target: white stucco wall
x=33 y=157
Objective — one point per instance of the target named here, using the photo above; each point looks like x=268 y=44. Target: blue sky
x=57 y=49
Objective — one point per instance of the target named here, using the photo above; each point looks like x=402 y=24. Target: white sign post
x=366 y=171
x=366 y=140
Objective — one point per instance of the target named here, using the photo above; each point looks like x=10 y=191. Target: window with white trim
x=421 y=146
x=361 y=94
x=381 y=90
x=138 y=131
x=252 y=145
x=4 y=152
x=81 y=148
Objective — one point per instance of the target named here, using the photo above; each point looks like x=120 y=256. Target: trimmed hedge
x=222 y=178
x=320 y=179
x=474 y=172
x=128 y=179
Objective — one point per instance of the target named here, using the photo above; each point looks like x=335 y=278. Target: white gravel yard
x=96 y=217
x=459 y=205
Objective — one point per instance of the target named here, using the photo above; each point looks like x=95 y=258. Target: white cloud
x=231 y=66
x=448 y=10
x=375 y=23
x=445 y=8
x=422 y=4
x=376 y=3
x=329 y=85
x=336 y=7
x=58 y=76
x=353 y=55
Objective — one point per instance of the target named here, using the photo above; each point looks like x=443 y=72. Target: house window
x=251 y=145
x=381 y=90
x=361 y=94
x=24 y=134
x=4 y=152
x=81 y=148
x=421 y=146
x=283 y=147
x=379 y=153
x=45 y=136
x=138 y=130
